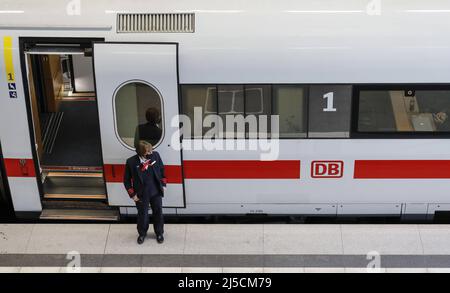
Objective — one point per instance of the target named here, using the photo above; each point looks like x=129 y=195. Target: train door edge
x=151 y=68
x=6 y=204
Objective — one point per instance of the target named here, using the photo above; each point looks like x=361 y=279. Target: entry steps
x=76 y=195
x=74 y=185
x=78 y=210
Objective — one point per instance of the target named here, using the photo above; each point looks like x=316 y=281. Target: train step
x=72 y=186
x=75 y=204
x=80 y=215
x=85 y=94
x=74 y=196
x=75 y=174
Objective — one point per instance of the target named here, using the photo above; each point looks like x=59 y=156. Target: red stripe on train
x=402 y=169
x=19 y=168
x=219 y=169
x=114 y=173
x=240 y=169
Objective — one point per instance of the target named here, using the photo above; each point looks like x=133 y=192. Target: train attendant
x=145 y=183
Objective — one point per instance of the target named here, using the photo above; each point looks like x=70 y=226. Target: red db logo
x=327 y=169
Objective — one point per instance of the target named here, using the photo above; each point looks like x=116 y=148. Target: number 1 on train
x=329 y=96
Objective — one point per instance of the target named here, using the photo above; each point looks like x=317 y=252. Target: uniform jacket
x=132 y=179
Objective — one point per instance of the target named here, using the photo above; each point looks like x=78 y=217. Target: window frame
x=357 y=88
x=116 y=130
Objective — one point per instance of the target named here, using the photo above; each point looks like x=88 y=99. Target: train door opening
x=66 y=131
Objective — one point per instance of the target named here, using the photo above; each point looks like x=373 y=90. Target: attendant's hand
x=135 y=198
x=164 y=188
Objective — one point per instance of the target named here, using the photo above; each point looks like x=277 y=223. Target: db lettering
x=327 y=169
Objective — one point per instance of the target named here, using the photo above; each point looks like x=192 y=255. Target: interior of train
x=66 y=130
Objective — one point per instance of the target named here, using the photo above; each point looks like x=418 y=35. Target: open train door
x=130 y=79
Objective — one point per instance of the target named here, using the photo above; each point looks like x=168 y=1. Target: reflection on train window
x=289 y=103
x=200 y=97
x=404 y=111
x=258 y=102
x=230 y=103
x=138 y=110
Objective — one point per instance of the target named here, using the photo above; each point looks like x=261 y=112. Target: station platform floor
x=227 y=248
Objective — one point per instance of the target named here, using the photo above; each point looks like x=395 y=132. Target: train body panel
x=246 y=42
x=346 y=44
x=345 y=189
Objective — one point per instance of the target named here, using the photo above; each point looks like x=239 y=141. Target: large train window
x=138 y=113
x=286 y=101
x=404 y=110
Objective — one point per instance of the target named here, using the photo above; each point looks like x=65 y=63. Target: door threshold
x=79 y=215
x=48 y=168
x=75 y=174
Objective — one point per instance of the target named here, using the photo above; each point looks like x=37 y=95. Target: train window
x=289 y=102
x=404 y=110
x=138 y=113
x=202 y=97
x=258 y=102
x=230 y=104
x=250 y=102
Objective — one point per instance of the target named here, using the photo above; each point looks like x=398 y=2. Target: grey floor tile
x=224 y=239
x=122 y=260
x=382 y=239
x=302 y=239
x=14 y=237
x=66 y=238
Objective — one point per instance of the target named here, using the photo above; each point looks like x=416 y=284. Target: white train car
x=361 y=89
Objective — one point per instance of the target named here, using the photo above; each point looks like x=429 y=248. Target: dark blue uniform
x=148 y=186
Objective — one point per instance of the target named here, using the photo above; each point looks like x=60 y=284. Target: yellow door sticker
x=9 y=66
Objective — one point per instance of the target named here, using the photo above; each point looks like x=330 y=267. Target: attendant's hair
x=143 y=147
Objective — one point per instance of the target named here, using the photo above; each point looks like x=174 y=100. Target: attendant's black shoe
x=140 y=239
x=160 y=238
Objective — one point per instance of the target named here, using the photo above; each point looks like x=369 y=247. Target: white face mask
x=145 y=157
